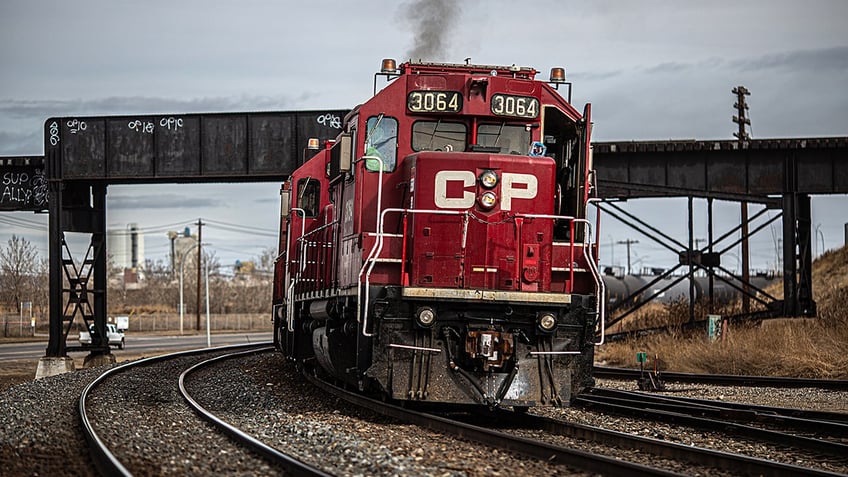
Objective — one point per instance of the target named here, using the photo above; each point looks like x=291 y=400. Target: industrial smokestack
x=432 y=22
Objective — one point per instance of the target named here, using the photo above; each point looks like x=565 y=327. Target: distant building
x=181 y=244
x=125 y=247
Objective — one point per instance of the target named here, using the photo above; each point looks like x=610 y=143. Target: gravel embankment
x=289 y=413
x=40 y=433
x=805 y=398
x=152 y=430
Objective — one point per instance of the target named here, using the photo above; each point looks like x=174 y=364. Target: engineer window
x=438 y=136
x=308 y=196
x=510 y=138
x=381 y=143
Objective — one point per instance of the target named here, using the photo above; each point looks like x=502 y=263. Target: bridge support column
x=49 y=366
x=797 y=252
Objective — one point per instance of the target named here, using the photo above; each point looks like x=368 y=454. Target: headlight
x=489 y=179
x=547 y=321
x=425 y=316
x=488 y=200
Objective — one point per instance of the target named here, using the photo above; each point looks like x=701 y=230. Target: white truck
x=113 y=334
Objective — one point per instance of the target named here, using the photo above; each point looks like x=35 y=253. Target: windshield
x=438 y=136
x=509 y=138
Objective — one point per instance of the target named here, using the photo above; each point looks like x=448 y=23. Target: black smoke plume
x=432 y=21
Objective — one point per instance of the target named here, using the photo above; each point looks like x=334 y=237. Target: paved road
x=138 y=343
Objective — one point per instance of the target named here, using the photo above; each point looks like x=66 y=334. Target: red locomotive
x=439 y=250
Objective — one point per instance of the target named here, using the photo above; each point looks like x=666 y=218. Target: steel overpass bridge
x=84 y=155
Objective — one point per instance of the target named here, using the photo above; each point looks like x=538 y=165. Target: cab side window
x=381 y=143
x=308 y=196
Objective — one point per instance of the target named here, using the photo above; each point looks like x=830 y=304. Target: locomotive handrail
x=377 y=248
x=593 y=267
x=290 y=294
x=596 y=273
x=305 y=245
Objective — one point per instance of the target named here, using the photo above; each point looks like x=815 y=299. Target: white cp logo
x=513 y=186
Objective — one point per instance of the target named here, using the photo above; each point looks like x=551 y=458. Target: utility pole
x=199 y=256
x=742 y=136
x=628 y=242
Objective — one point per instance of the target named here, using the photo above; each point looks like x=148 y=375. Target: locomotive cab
x=439 y=250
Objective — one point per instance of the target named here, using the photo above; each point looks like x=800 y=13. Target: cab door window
x=381 y=143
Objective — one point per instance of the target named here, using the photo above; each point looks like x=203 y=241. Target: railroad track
x=576 y=459
x=150 y=391
x=734 y=463
x=124 y=453
x=281 y=459
x=726 y=379
x=477 y=426
x=825 y=431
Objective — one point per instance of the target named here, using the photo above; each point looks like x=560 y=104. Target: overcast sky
x=651 y=69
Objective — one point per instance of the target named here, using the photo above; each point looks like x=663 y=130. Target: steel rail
x=292 y=465
x=104 y=459
x=800 y=419
x=809 y=414
x=727 y=379
x=629 y=408
x=737 y=463
x=492 y=438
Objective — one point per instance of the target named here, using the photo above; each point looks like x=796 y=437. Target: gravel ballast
x=264 y=395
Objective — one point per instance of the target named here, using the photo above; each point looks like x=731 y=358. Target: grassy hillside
x=812 y=348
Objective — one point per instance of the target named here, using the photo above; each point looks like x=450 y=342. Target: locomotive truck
x=439 y=249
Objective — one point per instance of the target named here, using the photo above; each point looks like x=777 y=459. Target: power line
x=250 y=232
x=23 y=225
x=260 y=229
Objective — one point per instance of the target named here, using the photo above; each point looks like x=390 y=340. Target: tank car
x=439 y=250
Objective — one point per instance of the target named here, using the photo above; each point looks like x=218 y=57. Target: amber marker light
x=389 y=66
x=313 y=144
x=557 y=75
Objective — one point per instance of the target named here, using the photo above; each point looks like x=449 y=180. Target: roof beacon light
x=389 y=66
x=557 y=75
x=313 y=144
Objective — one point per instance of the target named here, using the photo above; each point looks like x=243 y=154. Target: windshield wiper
x=433 y=136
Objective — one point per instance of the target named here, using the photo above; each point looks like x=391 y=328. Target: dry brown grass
x=814 y=348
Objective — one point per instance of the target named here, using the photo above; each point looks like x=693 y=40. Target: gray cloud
x=20 y=109
x=21 y=144
x=823 y=59
x=669 y=67
x=162 y=201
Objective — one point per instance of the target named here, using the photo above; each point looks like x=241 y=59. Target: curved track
x=279 y=458
x=110 y=461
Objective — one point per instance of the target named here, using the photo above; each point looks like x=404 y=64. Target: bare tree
x=266 y=259
x=18 y=274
